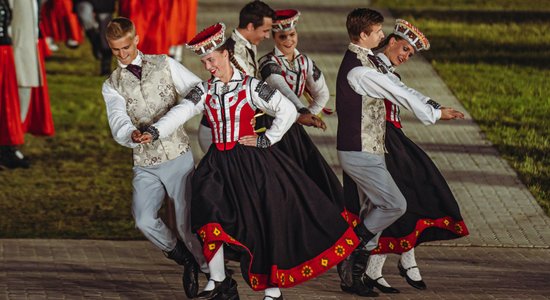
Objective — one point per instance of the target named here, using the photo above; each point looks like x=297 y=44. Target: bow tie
x=135 y=69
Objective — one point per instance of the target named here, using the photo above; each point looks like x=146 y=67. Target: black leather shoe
x=373 y=283
x=414 y=283
x=190 y=278
x=12 y=158
x=225 y=290
x=357 y=261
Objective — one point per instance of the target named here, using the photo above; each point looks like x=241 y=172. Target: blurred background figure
x=11 y=132
x=182 y=25
x=60 y=23
x=163 y=25
x=94 y=15
x=34 y=101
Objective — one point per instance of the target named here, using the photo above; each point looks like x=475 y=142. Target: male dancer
x=362 y=85
x=140 y=91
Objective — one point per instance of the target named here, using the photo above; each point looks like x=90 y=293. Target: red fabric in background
x=60 y=22
x=39 y=119
x=161 y=23
x=11 y=131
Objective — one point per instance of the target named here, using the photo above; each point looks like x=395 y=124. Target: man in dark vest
x=361 y=87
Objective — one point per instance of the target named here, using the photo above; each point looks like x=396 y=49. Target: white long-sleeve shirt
x=368 y=81
x=277 y=105
x=293 y=78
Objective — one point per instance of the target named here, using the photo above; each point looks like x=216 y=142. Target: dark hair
x=255 y=12
x=229 y=46
x=386 y=41
x=361 y=20
x=119 y=28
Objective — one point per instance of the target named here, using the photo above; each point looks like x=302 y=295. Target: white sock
x=374 y=268
x=408 y=260
x=272 y=292
x=217 y=269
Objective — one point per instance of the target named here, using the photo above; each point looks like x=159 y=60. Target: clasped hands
x=141 y=138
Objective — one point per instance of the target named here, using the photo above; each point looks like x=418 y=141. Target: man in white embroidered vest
x=141 y=90
x=255 y=21
x=361 y=86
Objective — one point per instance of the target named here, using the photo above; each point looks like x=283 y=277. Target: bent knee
x=147 y=223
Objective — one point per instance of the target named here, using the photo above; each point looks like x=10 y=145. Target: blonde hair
x=119 y=28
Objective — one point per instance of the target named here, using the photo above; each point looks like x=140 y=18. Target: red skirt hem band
x=402 y=244
x=213 y=236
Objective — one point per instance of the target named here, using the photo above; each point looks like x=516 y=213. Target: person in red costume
x=281 y=227
x=11 y=132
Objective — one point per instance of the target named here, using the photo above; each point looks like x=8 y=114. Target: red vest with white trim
x=229 y=114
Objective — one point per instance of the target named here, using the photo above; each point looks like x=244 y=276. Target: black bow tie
x=135 y=69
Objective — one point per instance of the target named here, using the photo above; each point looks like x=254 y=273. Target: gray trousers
x=151 y=185
x=381 y=201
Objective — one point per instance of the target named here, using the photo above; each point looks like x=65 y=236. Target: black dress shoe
x=190 y=278
x=359 y=289
x=12 y=158
x=355 y=267
x=373 y=283
x=224 y=290
x=417 y=284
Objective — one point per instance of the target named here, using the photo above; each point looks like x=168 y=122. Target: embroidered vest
x=146 y=102
x=295 y=72
x=229 y=114
x=361 y=119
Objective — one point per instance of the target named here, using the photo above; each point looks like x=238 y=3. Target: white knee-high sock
x=374 y=268
x=408 y=260
x=273 y=292
x=217 y=269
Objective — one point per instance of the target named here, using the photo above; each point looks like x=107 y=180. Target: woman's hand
x=249 y=140
x=311 y=120
x=448 y=113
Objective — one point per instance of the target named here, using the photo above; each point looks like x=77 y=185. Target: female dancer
x=250 y=201
x=293 y=74
x=432 y=211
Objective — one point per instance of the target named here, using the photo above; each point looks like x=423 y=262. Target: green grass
x=495 y=57
x=79 y=185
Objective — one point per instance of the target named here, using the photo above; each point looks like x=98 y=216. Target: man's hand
x=249 y=140
x=311 y=120
x=136 y=136
x=146 y=138
x=448 y=113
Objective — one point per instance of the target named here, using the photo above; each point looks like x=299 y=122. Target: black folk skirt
x=299 y=147
x=432 y=211
x=269 y=214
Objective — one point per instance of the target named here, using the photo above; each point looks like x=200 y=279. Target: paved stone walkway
x=506 y=256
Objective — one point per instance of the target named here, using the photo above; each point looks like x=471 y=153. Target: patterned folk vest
x=146 y=102
x=361 y=119
x=294 y=73
x=229 y=114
